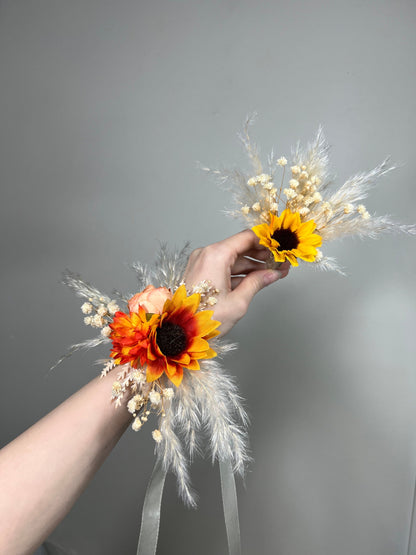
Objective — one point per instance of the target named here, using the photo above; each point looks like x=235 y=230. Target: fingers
x=245 y=265
x=235 y=281
x=243 y=242
x=246 y=287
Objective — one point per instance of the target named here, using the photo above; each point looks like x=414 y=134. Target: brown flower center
x=286 y=238
x=171 y=339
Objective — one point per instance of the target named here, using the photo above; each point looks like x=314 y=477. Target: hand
x=238 y=278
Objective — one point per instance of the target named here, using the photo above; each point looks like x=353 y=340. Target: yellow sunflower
x=180 y=337
x=288 y=238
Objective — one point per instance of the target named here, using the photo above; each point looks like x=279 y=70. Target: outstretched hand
x=238 y=278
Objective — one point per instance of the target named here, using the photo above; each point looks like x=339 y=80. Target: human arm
x=44 y=470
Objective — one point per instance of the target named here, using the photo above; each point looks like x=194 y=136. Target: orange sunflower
x=180 y=337
x=130 y=336
x=289 y=238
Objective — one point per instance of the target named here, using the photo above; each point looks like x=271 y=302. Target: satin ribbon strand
x=149 y=530
x=230 y=505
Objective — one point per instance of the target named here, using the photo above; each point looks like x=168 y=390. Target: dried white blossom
x=112 y=307
x=282 y=161
x=86 y=308
x=154 y=398
x=245 y=209
x=97 y=321
x=264 y=178
x=106 y=331
x=116 y=388
x=137 y=424
x=157 y=436
x=290 y=193
x=138 y=376
x=168 y=393
x=102 y=310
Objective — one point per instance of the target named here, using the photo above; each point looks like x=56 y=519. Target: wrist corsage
x=163 y=342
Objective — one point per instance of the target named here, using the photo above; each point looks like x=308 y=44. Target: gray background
x=105 y=108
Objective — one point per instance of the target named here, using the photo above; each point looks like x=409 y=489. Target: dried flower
x=97 y=321
x=102 y=310
x=138 y=376
x=157 y=436
x=137 y=424
x=86 y=308
x=264 y=178
x=155 y=398
x=106 y=331
x=282 y=161
x=168 y=393
x=116 y=388
x=112 y=307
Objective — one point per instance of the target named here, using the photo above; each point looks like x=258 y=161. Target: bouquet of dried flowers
x=294 y=219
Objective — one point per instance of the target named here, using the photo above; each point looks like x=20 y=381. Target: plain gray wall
x=105 y=108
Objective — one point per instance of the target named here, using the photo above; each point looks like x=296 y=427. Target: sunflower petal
x=176 y=378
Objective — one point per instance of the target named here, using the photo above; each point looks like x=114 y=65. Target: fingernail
x=272 y=276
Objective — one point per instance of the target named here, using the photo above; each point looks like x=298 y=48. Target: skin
x=45 y=469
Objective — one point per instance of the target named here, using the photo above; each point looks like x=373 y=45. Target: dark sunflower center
x=171 y=339
x=286 y=238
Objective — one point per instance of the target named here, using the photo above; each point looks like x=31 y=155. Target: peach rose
x=151 y=299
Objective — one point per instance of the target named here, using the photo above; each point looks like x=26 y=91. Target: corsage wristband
x=163 y=341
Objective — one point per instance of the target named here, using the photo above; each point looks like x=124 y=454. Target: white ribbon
x=149 y=531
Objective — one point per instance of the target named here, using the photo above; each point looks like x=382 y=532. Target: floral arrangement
x=294 y=221
x=163 y=341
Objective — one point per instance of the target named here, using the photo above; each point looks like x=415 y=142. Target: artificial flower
x=180 y=337
x=288 y=238
x=151 y=299
x=130 y=336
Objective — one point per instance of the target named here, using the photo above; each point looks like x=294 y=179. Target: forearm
x=45 y=469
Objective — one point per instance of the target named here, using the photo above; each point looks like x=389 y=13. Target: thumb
x=255 y=281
